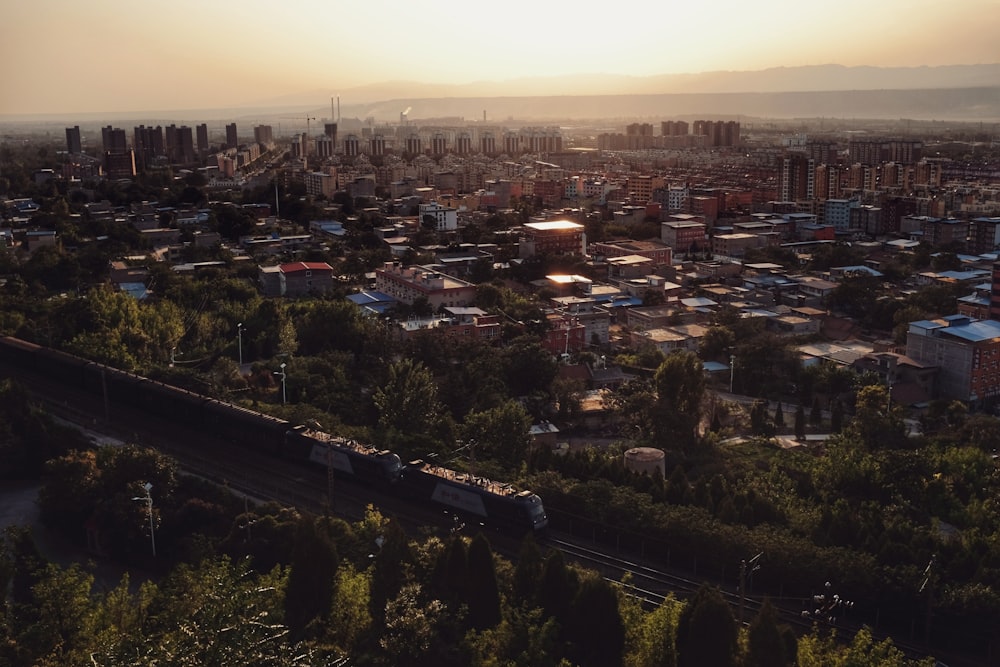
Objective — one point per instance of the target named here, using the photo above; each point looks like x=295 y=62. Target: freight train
x=492 y=503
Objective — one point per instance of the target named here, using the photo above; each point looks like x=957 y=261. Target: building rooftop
x=958 y=326
x=553 y=225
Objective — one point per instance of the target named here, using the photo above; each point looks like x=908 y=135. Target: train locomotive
x=473 y=497
x=496 y=504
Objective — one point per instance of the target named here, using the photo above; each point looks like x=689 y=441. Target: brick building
x=406 y=284
x=552 y=237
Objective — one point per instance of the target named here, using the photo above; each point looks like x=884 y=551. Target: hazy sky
x=68 y=56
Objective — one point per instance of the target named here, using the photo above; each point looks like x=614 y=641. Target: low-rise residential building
x=660 y=253
x=551 y=237
x=473 y=322
x=683 y=236
x=407 y=284
x=445 y=217
x=302 y=278
x=595 y=319
x=966 y=353
x=565 y=335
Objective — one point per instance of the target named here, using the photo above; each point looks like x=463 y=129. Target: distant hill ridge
x=951 y=92
x=810 y=78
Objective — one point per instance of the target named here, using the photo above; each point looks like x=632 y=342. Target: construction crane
x=307 y=119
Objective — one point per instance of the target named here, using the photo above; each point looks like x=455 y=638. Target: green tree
x=412 y=627
x=594 y=628
x=527 y=572
x=408 y=408
x=217 y=613
x=482 y=593
x=877 y=423
x=503 y=432
x=311 y=576
x=58 y=622
x=634 y=403
x=765 y=640
x=650 y=637
x=716 y=343
x=350 y=617
x=557 y=587
x=800 y=422
x=680 y=388
x=528 y=367
x=706 y=631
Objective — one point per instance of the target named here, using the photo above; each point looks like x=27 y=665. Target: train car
x=170 y=402
x=18 y=353
x=120 y=386
x=497 y=504
x=245 y=427
x=363 y=462
x=67 y=368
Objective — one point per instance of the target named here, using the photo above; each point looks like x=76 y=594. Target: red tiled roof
x=305 y=266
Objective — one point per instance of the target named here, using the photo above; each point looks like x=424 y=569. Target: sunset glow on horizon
x=65 y=56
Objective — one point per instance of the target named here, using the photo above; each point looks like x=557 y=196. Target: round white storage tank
x=646 y=460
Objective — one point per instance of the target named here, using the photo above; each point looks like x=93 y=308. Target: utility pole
x=747 y=568
x=928 y=585
x=329 y=474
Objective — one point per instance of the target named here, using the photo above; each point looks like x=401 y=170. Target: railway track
x=267 y=478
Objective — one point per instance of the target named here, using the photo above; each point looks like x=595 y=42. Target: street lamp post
x=282 y=374
x=239 y=343
x=148 y=499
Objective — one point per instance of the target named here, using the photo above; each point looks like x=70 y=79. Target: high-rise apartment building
x=232 y=140
x=828 y=181
x=797 y=178
x=179 y=143
x=439 y=144
x=413 y=144
x=865 y=151
x=147 y=142
x=352 y=145
x=73 y=143
x=114 y=140
x=201 y=132
x=488 y=143
x=862 y=177
x=823 y=152
x=264 y=135
x=324 y=146
x=674 y=128
x=719 y=132
x=877 y=151
x=511 y=143
x=984 y=235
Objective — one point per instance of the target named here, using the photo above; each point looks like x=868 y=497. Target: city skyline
x=113 y=55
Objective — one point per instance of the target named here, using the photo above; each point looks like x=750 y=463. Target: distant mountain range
x=815 y=78
x=955 y=92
